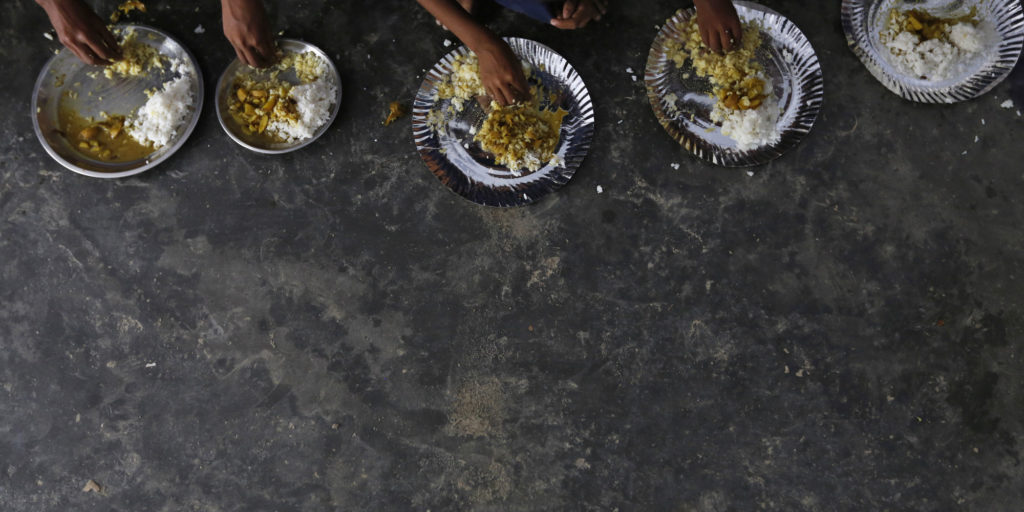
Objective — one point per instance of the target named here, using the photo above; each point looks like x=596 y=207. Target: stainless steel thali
x=788 y=59
x=1000 y=21
x=67 y=82
x=260 y=145
x=451 y=154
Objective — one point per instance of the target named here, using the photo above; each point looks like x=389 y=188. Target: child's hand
x=247 y=29
x=577 y=13
x=82 y=31
x=501 y=73
x=719 y=24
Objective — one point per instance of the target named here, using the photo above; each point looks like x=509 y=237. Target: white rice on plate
x=966 y=37
x=313 y=101
x=751 y=128
x=745 y=107
x=285 y=111
x=157 y=122
x=932 y=59
x=314 y=98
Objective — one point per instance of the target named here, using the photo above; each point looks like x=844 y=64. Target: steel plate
x=118 y=95
x=460 y=163
x=1002 y=26
x=261 y=146
x=787 y=58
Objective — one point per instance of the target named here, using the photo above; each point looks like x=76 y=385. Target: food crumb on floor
x=629 y=70
x=750 y=173
x=1008 y=104
x=600 y=189
x=395 y=111
x=674 y=165
x=48 y=35
x=447 y=43
x=199 y=29
x=92 y=486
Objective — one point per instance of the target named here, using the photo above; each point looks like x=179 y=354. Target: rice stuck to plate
x=137 y=57
x=463 y=83
x=282 y=111
x=745 y=106
x=523 y=137
x=929 y=47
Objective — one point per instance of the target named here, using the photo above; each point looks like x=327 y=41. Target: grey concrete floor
x=334 y=330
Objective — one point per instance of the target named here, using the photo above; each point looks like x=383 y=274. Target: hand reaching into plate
x=719 y=24
x=502 y=74
x=82 y=31
x=247 y=29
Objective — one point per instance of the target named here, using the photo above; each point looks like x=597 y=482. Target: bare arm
x=248 y=31
x=82 y=31
x=500 y=70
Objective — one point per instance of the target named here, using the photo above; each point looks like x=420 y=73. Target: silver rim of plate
x=247 y=141
x=118 y=95
x=1001 y=22
x=788 y=59
x=460 y=163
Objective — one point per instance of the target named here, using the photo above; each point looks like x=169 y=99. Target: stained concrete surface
x=334 y=330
